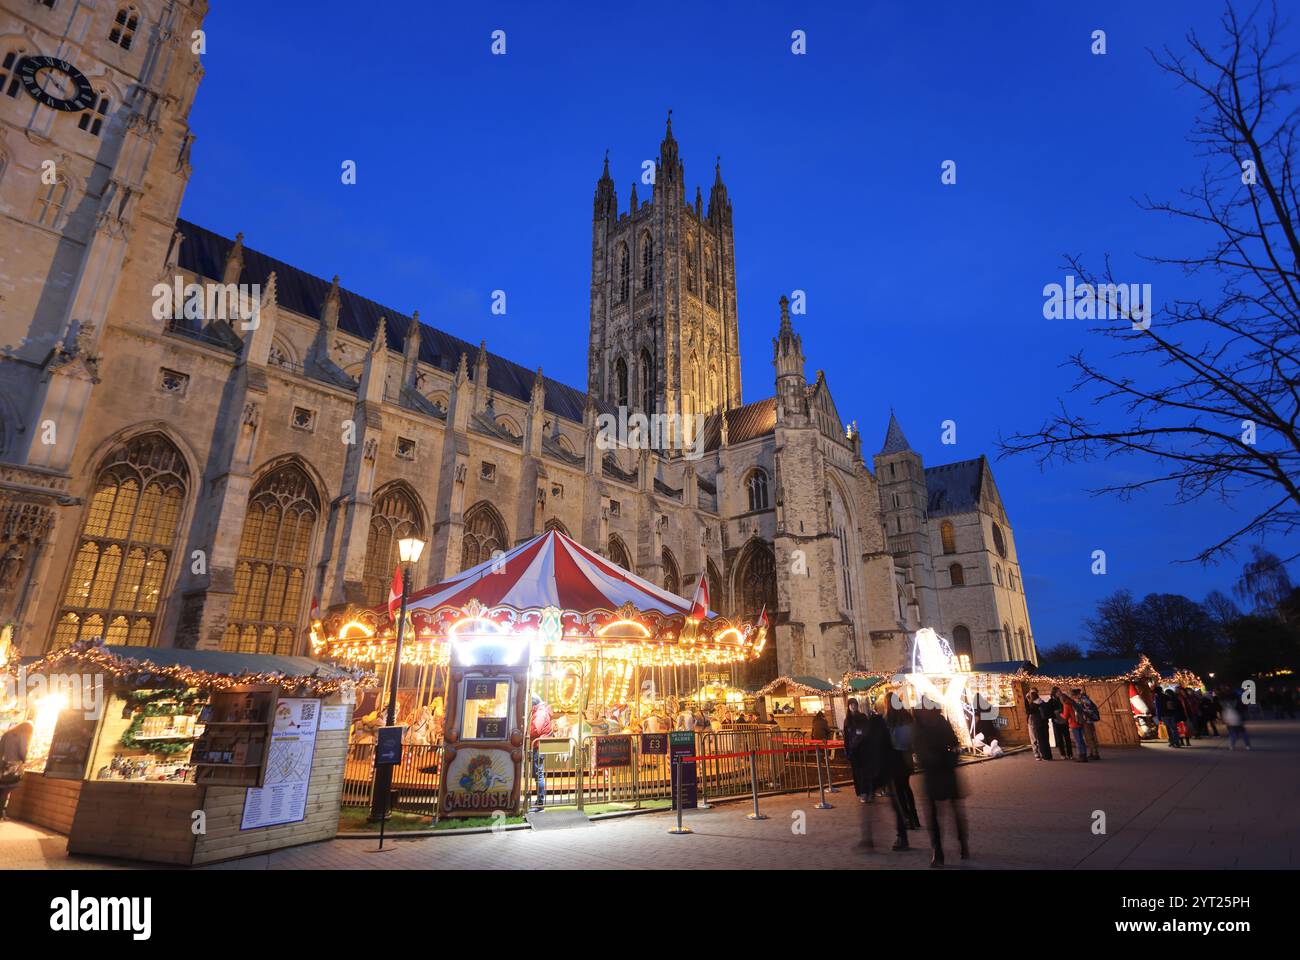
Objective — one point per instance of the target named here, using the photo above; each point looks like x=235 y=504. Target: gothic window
x=841 y=523
x=672 y=579
x=618 y=553
x=957 y=574
x=272 y=567
x=51 y=202
x=999 y=544
x=620 y=382
x=124 y=24
x=557 y=526
x=93 y=120
x=755 y=590
x=715 y=585
x=949 y=537
x=1024 y=643
x=485 y=533
x=1006 y=632
x=647 y=261
x=997 y=573
x=692 y=282
x=756 y=487
x=647 y=383
x=127 y=541
x=394 y=516
x=9 y=82
x=624 y=272
x=961 y=645
x=710 y=278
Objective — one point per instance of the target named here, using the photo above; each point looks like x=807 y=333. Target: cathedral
x=208 y=472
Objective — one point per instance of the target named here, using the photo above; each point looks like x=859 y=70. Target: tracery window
x=484 y=534
x=124 y=24
x=127 y=541
x=394 y=516
x=672 y=578
x=272 y=567
x=624 y=272
x=647 y=261
x=620 y=382
x=756 y=487
x=618 y=553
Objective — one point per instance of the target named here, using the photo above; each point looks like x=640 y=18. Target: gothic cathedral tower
x=663 y=296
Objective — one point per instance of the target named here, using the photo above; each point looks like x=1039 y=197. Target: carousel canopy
x=551 y=570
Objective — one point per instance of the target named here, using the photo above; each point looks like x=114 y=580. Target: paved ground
x=1202 y=807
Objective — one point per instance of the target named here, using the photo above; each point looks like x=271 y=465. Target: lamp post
x=408 y=553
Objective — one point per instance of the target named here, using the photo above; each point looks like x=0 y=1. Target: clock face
x=56 y=83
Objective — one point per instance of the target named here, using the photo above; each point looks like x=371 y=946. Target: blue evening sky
x=476 y=172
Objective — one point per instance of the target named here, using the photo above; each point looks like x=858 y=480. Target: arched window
x=485 y=533
x=716 y=600
x=957 y=574
x=555 y=524
x=841 y=524
x=124 y=24
x=756 y=487
x=1024 y=644
x=755 y=590
x=624 y=272
x=647 y=383
x=999 y=544
x=1006 y=632
x=997 y=573
x=9 y=82
x=620 y=382
x=961 y=645
x=618 y=553
x=647 y=261
x=692 y=281
x=93 y=120
x=672 y=578
x=949 y=537
x=710 y=277
x=274 y=561
x=127 y=540
x=51 y=202
x=394 y=516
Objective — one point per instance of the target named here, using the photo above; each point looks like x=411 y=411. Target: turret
x=788 y=359
x=605 y=206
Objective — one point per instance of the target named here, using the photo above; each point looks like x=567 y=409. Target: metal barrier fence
x=783 y=765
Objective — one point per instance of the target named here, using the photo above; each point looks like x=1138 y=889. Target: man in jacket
x=1090 y=715
x=1074 y=721
x=872 y=758
x=1060 y=727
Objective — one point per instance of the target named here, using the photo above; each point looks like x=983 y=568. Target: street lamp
x=408 y=552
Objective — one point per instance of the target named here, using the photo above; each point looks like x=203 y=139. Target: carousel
x=609 y=652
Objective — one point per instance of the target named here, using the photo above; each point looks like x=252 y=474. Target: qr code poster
x=283 y=799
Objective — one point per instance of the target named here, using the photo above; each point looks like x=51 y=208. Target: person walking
x=13 y=755
x=1060 y=727
x=1041 y=718
x=1234 y=718
x=821 y=730
x=1074 y=722
x=937 y=748
x=1031 y=716
x=1169 y=712
x=1091 y=716
x=866 y=742
x=899 y=721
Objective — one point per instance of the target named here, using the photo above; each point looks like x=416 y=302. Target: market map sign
x=283 y=796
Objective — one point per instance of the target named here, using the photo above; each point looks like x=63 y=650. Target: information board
x=654 y=744
x=681 y=743
x=283 y=798
x=613 y=752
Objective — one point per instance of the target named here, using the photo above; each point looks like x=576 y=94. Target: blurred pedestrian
x=1074 y=723
x=1091 y=716
x=1234 y=718
x=899 y=721
x=871 y=757
x=937 y=749
x=13 y=757
x=1060 y=726
x=1030 y=703
x=1170 y=712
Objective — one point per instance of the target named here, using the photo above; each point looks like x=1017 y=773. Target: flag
x=700 y=604
x=762 y=616
x=315 y=609
x=395 y=593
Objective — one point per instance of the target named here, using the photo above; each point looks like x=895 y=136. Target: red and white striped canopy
x=551 y=570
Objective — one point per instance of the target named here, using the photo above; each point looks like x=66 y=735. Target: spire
x=380 y=341
x=669 y=165
x=788 y=359
x=895 y=442
x=719 y=205
x=634 y=204
x=606 y=203
x=787 y=343
x=699 y=203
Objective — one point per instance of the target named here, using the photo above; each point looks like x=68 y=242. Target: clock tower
x=94 y=159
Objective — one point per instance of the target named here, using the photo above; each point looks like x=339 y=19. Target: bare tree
x=1204 y=391
x=1264 y=582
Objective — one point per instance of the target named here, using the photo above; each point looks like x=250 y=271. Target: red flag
x=395 y=593
x=315 y=609
x=762 y=616
x=700 y=604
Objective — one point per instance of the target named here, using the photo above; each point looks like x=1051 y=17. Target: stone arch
x=396 y=512
x=717 y=600
x=753 y=591
x=554 y=523
x=672 y=573
x=619 y=553
x=484 y=533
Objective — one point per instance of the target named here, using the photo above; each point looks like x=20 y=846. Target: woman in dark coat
x=1039 y=715
x=872 y=759
x=936 y=749
x=13 y=754
x=899 y=721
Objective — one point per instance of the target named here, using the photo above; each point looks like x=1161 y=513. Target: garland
x=156 y=703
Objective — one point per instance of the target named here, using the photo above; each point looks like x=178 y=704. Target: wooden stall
x=189 y=757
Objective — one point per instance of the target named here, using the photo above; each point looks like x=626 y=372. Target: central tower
x=663 y=295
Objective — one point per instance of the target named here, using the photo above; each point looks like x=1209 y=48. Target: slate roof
x=895 y=442
x=746 y=422
x=204 y=253
x=954 y=487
